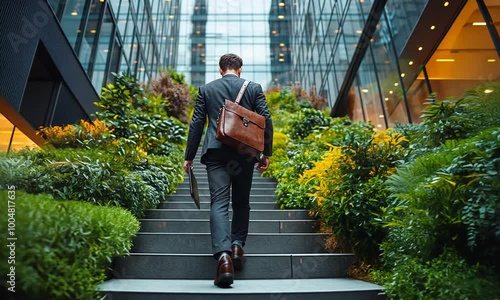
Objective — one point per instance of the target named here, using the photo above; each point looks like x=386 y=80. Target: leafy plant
x=64 y=247
x=172 y=87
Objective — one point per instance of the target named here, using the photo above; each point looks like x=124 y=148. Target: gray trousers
x=229 y=176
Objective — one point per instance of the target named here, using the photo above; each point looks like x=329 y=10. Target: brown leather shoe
x=225 y=276
x=237 y=256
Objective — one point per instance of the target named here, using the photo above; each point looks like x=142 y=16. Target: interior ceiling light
x=365 y=90
x=171 y=17
x=478 y=23
x=93 y=31
x=196 y=8
x=492 y=60
x=282 y=54
x=445 y=60
x=282 y=44
x=488 y=91
x=74 y=13
x=281 y=17
x=359 y=31
x=446 y=3
x=391 y=92
x=282 y=4
x=281 y=59
x=386 y=99
x=200 y=44
x=410 y=62
x=381 y=116
x=273 y=32
x=433 y=27
x=403 y=74
x=420 y=48
x=396 y=84
x=379 y=125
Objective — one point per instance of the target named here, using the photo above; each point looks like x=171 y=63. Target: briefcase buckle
x=245 y=122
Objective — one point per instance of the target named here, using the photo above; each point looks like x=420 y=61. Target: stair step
x=206 y=205
x=255 y=214
x=203 y=226
x=265 y=289
x=206 y=197
x=206 y=191
x=257 y=243
x=255 y=184
x=257 y=266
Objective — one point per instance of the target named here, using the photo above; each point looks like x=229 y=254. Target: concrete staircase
x=285 y=257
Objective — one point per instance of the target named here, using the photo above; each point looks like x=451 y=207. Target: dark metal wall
x=28 y=25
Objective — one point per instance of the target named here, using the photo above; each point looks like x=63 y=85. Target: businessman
x=226 y=167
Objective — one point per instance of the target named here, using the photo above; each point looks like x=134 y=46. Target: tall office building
x=380 y=61
x=55 y=55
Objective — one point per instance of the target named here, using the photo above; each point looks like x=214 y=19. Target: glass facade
x=209 y=29
x=409 y=56
x=381 y=69
x=139 y=37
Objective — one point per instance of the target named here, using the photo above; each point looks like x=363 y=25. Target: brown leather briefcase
x=241 y=128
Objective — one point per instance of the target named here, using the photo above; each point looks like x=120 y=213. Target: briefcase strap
x=242 y=91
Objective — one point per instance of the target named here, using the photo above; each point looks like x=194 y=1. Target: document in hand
x=193 y=188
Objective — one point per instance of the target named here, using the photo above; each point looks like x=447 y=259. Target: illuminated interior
x=467 y=55
x=19 y=141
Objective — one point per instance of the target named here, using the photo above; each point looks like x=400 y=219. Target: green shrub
x=139 y=120
x=306 y=121
x=63 y=248
x=446 y=277
x=95 y=176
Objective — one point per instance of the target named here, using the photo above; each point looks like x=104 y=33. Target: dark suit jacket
x=210 y=99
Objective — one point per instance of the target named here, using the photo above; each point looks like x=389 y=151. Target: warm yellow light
x=273 y=32
x=200 y=44
x=391 y=92
x=396 y=84
x=282 y=44
x=170 y=17
x=282 y=54
x=281 y=59
x=102 y=0
x=488 y=91
x=365 y=91
x=381 y=116
x=433 y=27
x=359 y=31
x=74 y=13
x=403 y=74
x=93 y=31
x=337 y=30
x=202 y=55
x=445 y=60
x=198 y=32
x=386 y=99
x=479 y=24
x=196 y=8
x=492 y=60
x=410 y=62
x=164 y=38
x=372 y=40
x=420 y=48
x=281 y=17
x=142 y=69
x=446 y=3
x=379 y=125
x=281 y=4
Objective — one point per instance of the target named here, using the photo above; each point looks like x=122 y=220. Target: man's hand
x=263 y=164
x=187 y=164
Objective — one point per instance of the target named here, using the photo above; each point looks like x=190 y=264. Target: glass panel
x=90 y=34
x=403 y=16
x=19 y=141
x=103 y=49
x=72 y=20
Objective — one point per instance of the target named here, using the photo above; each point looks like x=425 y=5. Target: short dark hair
x=230 y=62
